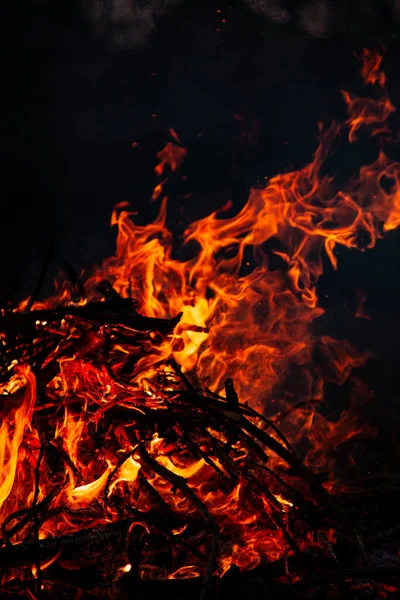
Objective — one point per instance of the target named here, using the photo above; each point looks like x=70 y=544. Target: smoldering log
x=71 y=545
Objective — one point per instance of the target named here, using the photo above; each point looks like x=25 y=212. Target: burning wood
x=134 y=443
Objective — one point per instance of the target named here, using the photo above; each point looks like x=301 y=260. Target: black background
x=74 y=99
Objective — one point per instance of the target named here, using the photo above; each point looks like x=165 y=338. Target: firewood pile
x=137 y=460
x=127 y=491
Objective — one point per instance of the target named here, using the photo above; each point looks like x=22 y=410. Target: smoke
x=126 y=23
x=130 y=23
x=273 y=10
x=327 y=18
x=396 y=10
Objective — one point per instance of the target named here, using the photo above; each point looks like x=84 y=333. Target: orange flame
x=170 y=157
x=244 y=318
x=12 y=431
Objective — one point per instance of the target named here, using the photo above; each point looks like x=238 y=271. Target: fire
x=89 y=492
x=232 y=310
x=12 y=432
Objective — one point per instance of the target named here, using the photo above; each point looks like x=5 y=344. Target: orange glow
x=89 y=492
x=13 y=428
x=243 y=304
x=127 y=472
x=171 y=156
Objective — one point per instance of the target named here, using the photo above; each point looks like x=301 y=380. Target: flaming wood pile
x=196 y=478
x=131 y=463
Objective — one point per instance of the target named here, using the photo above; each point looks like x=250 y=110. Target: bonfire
x=163 y=425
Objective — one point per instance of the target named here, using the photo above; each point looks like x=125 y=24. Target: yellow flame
x=12 y=433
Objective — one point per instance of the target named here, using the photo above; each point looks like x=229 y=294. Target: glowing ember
x=116 y=408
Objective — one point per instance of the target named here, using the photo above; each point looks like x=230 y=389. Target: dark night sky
x=76 y=94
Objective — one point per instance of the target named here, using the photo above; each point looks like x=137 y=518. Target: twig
x=26 y=514
x=174 y=365
x=71 y=544
x=230 y=392
x=36 y=525
x=108 y=312
x=206 y=590
x=180 y=483
x=327 y=577
x=177 y=481
x=135 y=547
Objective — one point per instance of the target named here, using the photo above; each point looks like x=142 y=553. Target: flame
x=371 y=67
x=46 y=564
x=89 y=492
x=170 y=158
x=127 y=472
x=246 y=297
x=187 y=472
x=12 y=432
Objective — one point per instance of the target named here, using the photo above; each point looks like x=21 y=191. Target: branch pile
x=196 y=492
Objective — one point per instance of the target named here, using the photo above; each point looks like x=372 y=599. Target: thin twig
x=177 y=481
x=206 y=590
x=180 y=483
x=36 y=525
